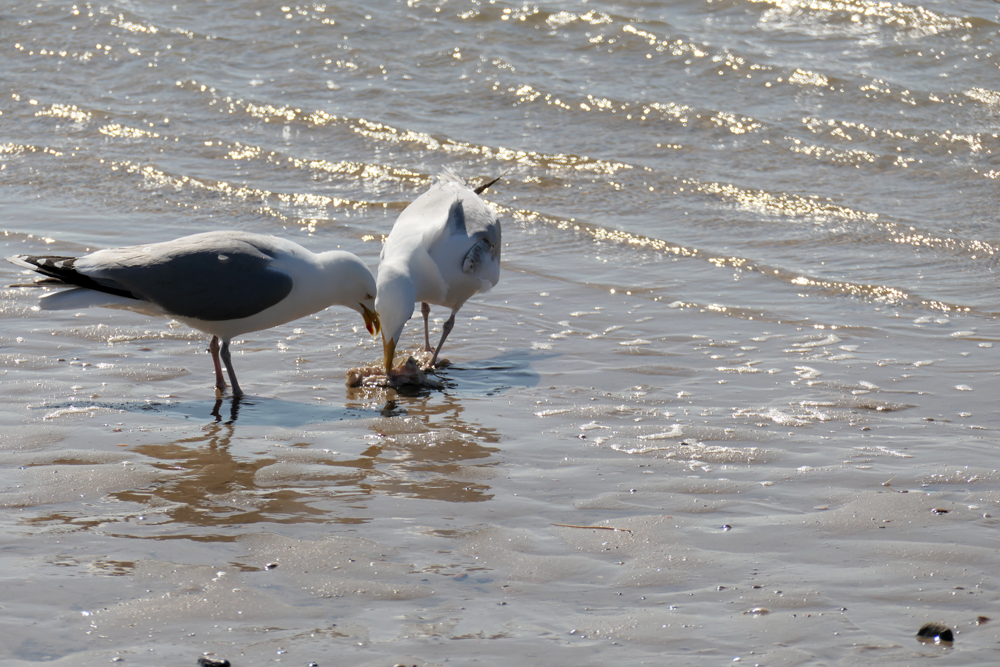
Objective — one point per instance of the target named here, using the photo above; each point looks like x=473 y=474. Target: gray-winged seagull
x=224 y=283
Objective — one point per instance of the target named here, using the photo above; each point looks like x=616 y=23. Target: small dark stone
x=936 y=631
x=939 y=510
x=205 y=661
x=270 y=566
x=981 y=620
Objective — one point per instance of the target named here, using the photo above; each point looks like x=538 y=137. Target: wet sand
x=795 y=502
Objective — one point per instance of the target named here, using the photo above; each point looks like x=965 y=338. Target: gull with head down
x=443 y=249
x=224 y=283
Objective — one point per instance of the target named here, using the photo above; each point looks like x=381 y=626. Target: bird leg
x=220 y=381
x=426 y=310
x=444 y=334
x=237 y=392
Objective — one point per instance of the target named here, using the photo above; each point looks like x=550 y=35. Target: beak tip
x=372 y=322
x=389 y=351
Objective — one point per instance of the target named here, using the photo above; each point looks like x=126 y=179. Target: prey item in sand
x=407 y=374
x=224 y=283
x=443 y=249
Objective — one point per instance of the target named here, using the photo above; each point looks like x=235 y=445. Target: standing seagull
x=222 y=283
x=443 y=249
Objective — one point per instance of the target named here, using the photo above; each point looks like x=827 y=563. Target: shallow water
x=747 y=317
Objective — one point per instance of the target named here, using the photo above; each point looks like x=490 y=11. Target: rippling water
x=747 y=316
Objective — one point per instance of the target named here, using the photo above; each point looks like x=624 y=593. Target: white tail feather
x=81 y=297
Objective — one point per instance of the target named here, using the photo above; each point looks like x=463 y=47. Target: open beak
x=389 y=348
x=372 y=322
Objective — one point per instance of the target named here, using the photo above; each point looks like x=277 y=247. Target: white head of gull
x=224 y=283
x=443 y=249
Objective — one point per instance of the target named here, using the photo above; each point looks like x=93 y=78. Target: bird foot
x=439 y=363
x=423 y=358
x=221 y=389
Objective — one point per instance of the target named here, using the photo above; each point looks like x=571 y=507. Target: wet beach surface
x=733 y=397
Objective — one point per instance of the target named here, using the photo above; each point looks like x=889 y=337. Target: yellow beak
x=372 y=322
x=389 y=348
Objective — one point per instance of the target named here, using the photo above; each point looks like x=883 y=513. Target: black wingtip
x=62 y=270
x=482 y=188
x=41 y=282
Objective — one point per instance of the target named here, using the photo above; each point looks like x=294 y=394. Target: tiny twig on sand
x=570 y=525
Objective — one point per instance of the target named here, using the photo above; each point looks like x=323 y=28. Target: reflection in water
x=234 y=471
x=250 y=410
x=234 y=408
x=429 y=447
x=213 y=488
x=392 y=408
x=425 y=454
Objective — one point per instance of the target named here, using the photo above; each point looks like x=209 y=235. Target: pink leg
x=426 y=310
x=224 y=353
x=220 y=381
x=444 y=334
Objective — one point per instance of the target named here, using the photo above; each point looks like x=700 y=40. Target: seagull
x=223 y=283
x=443 y=249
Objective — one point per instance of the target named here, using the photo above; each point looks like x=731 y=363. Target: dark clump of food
x=408 y=374
x=935 y=632
x=212 y=662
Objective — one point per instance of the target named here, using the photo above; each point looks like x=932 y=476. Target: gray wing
x=207 y=276
x=467 y=216
x=480 y=250
x=470 y=215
